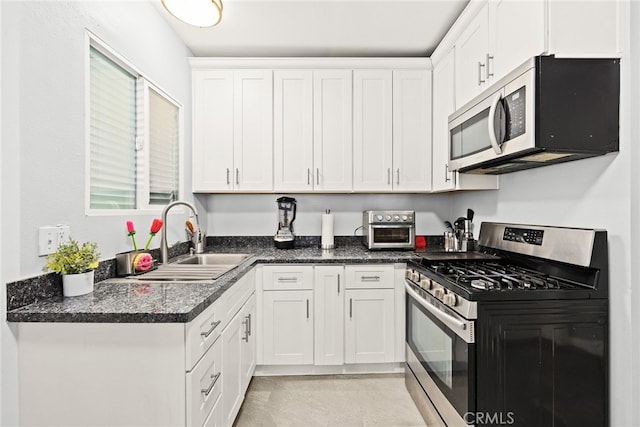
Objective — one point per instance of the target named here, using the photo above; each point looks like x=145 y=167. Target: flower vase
x=77 y=284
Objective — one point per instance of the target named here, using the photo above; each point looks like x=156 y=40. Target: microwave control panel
x=516 y=112
x=523 y=235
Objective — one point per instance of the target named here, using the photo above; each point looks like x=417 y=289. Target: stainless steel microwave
x=548 y=110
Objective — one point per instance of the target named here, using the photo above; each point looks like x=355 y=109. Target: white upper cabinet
x=516 y=33
x=293 y=130
x=372 y=130
x=252 y=136
x=411 y=130
x=502 y=34
x=232 y=131
x=212 y=130
x=471 y=51
x=332 y=130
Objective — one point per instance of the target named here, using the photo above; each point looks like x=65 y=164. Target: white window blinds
x=134 y=137
x=112 y=135
x=163 y=141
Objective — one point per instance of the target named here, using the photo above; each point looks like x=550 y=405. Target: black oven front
x=440 y=347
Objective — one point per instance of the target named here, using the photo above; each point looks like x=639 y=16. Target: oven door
x=441 y=354
x=391 y=236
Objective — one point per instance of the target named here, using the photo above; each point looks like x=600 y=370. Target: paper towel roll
x=327 y=231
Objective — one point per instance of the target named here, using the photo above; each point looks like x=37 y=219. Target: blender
x=284 y=238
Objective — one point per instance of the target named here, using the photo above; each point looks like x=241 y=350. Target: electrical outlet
x=49 y=238
x=63 y=233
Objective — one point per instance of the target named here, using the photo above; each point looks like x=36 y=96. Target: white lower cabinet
x=369 y=326
x=333 y=315
x=238 y=360
x=328 y=294
x=287 y=314
x=144 y=374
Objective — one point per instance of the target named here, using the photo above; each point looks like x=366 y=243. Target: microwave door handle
x=493 y=139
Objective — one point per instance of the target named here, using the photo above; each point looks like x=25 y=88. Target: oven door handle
x=446 y=318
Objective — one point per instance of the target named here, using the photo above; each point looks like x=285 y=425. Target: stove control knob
x=379 y=217
x=425 y=283
x=396 y=217
x=416 y=276
x=450 y=299
x=438 y=293
x=404 y=217
x=388 y=218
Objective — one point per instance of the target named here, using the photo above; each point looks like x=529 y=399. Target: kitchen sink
x=197 y=267
x=213 y=259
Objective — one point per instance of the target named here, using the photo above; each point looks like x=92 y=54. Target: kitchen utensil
x=142 y=262
x=131 y=231
x=284 y=238
x=470 y=214
x=190 y=228
x=156 y=225
x=449 y=225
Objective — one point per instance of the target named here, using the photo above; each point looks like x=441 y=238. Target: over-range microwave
x=548 y=110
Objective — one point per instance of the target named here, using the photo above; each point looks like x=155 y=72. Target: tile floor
x=329 y=400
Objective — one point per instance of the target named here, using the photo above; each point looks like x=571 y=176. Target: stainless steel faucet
x=198 y=236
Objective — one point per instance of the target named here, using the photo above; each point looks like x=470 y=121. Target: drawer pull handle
x=370 y=278
x=247 y=328
x=207 y=391
x=350 y=308
x=214 y=325
x=287 y=279
x=228 y=180
x=307 y=309
x=338 y=284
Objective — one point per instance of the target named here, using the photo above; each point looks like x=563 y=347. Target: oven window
x=434 y=347
x=444 y=356
x=391 y=235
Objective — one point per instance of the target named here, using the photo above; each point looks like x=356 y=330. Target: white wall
x=43 y=133
x=594 y=193
x=257 y=215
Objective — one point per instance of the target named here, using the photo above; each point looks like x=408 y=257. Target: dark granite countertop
x=123 y=300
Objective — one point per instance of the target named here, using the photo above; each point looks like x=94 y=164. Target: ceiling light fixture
x=200 y=13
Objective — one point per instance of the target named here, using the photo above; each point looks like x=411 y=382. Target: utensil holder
x=125 y=263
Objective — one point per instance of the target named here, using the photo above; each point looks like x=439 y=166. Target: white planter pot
x=77 y=284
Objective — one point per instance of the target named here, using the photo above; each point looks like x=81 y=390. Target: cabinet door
x=369 y=326
x=288 y=327
x=517 y=32
x=471 y=51
x=232 y=394
x=372 y=130
x=328 y=296
x=253 y=130
x=293 y=130
x=248 y=343
x=411 y=130
x=212 y=130
x=332 y=130
x=443 y=100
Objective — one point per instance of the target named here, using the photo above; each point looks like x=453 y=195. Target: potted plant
x=76 y=264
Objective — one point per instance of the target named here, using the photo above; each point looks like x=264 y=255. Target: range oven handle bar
x=449 y=320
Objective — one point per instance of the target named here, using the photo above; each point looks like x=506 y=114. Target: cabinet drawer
x=287 y=277
x=369 y=276
x=204 y=386
x=238 y=294
x=202 y=332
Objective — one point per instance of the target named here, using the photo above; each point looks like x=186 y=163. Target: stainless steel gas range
x=514 y=334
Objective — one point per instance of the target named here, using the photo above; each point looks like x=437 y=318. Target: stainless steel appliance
x=513 y=334
x=284 y=238
x=389 y=229
x=548 y=110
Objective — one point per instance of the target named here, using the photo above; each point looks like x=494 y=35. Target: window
x=134 y=137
